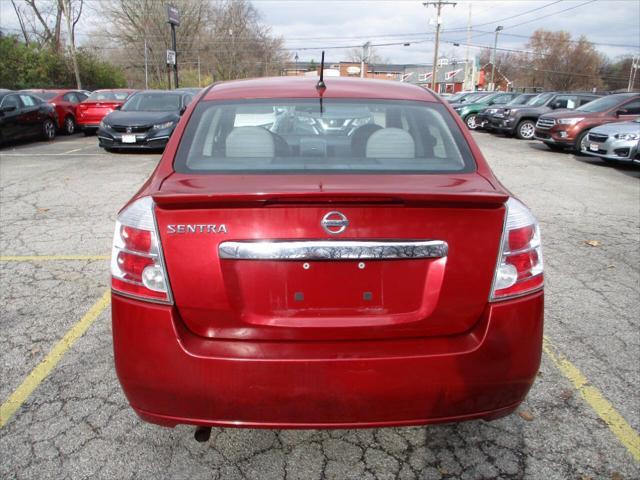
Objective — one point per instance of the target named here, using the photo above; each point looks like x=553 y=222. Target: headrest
x=391 y=143
x=250 y=142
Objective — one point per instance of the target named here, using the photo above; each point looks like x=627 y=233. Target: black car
x=23 y=115
x=521 y=121
x=145 y=121
x=483 y=117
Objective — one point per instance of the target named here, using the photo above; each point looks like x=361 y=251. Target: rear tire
x=525 y=130
x=69 y=125
x=48 y=129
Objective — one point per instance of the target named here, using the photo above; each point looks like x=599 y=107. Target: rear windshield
x=474 y=97
x=152 y=102
x=106 y=96
x=342 y=136
x=521 y=100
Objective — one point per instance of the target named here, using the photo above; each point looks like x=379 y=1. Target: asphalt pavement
x=65 y=416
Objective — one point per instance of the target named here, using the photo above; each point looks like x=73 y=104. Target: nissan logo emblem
x=334 y=223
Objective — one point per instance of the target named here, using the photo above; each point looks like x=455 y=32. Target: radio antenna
x=321 y=85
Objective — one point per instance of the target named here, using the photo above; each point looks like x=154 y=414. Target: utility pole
x=199 y=80
x=493 y=62
x=365 y=54
x=438 y=6
x=468 y=72
x=635 y=66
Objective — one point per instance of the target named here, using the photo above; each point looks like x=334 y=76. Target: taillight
x=519 y=269
x=137 y=264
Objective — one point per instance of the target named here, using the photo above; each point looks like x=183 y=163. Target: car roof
x=305 y=87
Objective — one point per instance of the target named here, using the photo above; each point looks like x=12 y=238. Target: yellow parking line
x=46 y=258
x=42 y=370
x=616 y=423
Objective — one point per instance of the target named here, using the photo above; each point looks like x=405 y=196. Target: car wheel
x=470 y=120
x=580 y=141
x=49 y=129
x=69 y=125
x=525 y=130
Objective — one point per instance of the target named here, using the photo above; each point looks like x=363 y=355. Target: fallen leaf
x=616 y=476
x=611 y=266
x=586 y=477
x=566 y=394
x=443 y=471
x=526 y=415
x=592 y=243
x=42 y=209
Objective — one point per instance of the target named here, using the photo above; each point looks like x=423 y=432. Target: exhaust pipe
x=202 y=434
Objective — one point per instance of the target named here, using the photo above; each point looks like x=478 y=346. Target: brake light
x=137 y=264
x=520 y=267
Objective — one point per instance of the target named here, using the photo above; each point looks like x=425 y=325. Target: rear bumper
x=170 y=376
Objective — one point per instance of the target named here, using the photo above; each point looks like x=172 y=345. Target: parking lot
x=70 y=419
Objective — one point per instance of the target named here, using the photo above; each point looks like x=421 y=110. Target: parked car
x=316 y=285
x=468 y=110
x=619 y=141
x=23 y=115
x=192 y=90
x=90 y=112
x=65 y=102
x=461 y=97
x=562 y=129
x=521 y=121
x=145 y=121
x=483 y=118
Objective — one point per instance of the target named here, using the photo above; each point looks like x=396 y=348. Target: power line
x=515 y=16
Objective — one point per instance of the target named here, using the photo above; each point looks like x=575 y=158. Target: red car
x=331 y=257
x=100 y=103
x=65 y=102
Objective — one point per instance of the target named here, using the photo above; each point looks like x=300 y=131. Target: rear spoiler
x=467 y=199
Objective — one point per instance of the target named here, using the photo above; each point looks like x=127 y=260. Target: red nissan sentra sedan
x=324 y=258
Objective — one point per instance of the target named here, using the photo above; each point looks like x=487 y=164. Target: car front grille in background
x=545 y=123
x=598 y=137
x=123 y=129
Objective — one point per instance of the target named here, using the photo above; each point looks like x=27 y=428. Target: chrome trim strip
x=332 y=250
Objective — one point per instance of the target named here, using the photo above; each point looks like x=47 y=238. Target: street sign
x=171 y=57
x=173 y=15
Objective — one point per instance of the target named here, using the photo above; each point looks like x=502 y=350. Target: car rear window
x=113 y=96
x=603 y=104
x=303 y=135
x=45 y=95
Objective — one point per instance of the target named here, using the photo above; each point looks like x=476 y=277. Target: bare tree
x=72 y=16
x=370 y=56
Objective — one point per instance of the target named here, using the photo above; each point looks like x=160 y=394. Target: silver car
x=614 y=141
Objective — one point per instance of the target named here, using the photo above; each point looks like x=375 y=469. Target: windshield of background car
x=45 y=95
x=339 y=136
x=541 y=99
x=108 y=96
x=152 y=102
x=601 y=104
x=474 y=97
x=520 y=100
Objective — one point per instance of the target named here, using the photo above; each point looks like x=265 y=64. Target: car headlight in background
x=160 y=126
x=570 y=121
x=627 y=136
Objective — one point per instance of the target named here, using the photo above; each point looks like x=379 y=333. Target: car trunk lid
x=247 y=265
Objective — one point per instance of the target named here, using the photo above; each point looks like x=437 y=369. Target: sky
x=307 y=26
x=317 y=23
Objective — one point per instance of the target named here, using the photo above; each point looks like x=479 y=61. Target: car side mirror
x=555 y=105
x=182 y=110
x=8 y=108
x=118 y=107
x=622 y=111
